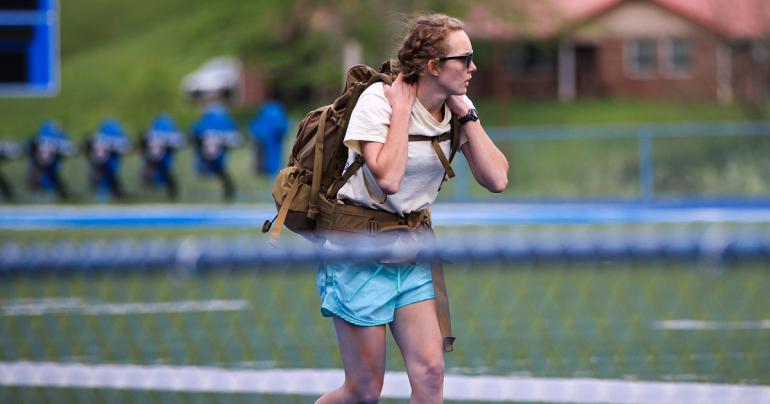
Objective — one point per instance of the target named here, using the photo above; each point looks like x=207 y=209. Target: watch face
x=471 y=116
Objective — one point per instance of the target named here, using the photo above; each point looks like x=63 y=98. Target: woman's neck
x=431 y=98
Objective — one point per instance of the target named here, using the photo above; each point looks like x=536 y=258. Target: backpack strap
x=422 y=138
x=435 y=142
x=338 y=182
x=383 y=77
x=455 y=134
x=448 y=172
x=356 y=94
x=281 y=216
x=455 y=131
x=442 y=305
x=315 y=186
x=342 y=179
x=343 y=127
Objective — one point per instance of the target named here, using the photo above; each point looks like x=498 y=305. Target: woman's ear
x=432 y=68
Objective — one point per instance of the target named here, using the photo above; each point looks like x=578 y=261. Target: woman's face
x=454 y=76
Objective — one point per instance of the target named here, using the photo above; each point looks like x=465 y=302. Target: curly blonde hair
x=425 y=40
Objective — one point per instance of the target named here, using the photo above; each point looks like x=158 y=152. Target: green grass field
x=597 y=320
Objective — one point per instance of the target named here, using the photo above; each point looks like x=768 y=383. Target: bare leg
x=363 y=356
x=5 y=188
x=58 y=184
x=415 y=328
x=168 y=178
x=228 y=186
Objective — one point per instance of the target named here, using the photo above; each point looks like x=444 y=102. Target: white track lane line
x=76 y=305
x=317 y=381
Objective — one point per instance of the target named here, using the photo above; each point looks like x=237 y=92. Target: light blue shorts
x=368 y=294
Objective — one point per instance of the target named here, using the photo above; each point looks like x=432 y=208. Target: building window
x=528 y=58
x=679 y=55
x=641 y=57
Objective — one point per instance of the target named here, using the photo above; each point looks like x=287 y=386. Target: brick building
x=656 y=49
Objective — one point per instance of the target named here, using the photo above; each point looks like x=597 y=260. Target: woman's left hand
x=457 y=105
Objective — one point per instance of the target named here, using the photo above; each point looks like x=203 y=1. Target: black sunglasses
x=468 y=59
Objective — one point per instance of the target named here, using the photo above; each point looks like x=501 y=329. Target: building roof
x=733 y=19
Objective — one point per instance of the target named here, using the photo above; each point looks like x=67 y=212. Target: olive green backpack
x=317 y=162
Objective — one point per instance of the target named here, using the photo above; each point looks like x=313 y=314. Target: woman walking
x=402 y=177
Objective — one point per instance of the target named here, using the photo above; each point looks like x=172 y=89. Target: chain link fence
x=613 y=315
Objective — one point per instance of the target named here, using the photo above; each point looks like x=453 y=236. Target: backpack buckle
x=413 y=219
x=373 y=227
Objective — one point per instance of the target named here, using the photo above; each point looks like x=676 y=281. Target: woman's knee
x=365 y=389
x=430 y=373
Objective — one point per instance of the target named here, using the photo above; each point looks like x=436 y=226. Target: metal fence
x=644 y=137
x=622 y=314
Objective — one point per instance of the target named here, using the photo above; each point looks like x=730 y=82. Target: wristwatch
x=472 y=115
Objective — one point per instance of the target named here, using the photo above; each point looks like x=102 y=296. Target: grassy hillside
x=126 y=60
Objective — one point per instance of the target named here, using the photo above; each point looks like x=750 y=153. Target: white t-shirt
x=370 y=121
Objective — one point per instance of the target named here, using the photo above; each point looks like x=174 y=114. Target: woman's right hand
x=401 y=95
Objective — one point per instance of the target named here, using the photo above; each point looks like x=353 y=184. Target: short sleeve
x=370 y=119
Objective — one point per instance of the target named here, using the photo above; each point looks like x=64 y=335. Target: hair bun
x=426 y=40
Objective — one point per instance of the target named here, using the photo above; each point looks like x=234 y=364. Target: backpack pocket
x=291 y=192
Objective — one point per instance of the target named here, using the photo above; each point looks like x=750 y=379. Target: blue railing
x=561 y=212
x=713 y=246
x=644 y=133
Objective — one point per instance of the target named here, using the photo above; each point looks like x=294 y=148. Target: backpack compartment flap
x=292 y=197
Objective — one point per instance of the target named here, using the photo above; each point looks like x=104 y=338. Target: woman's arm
x=488 y=164
x=387 y=161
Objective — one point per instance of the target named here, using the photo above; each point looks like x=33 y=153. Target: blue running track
x=444 y=214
